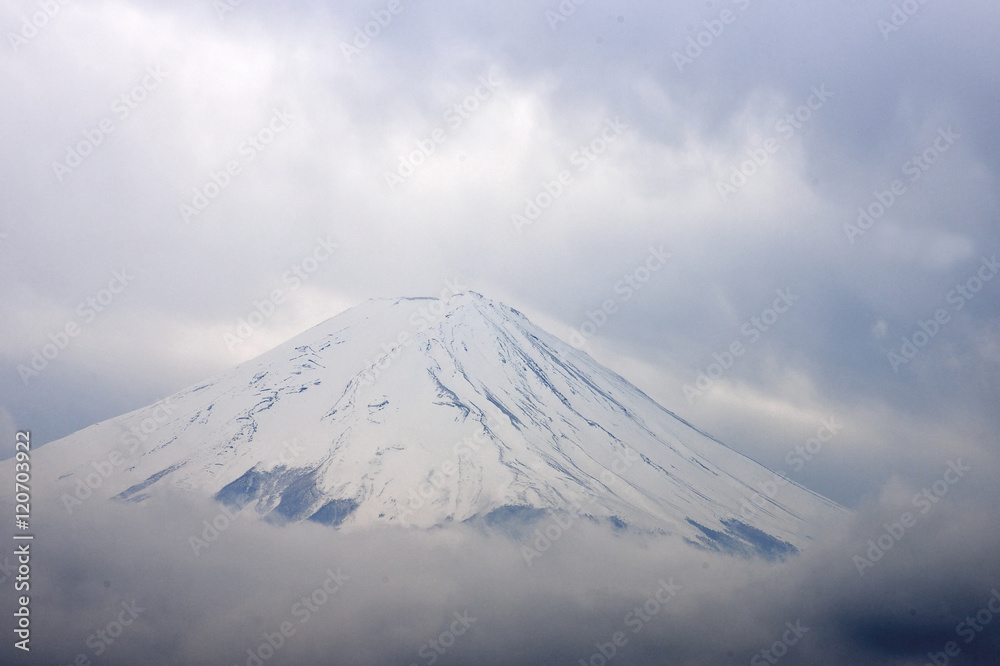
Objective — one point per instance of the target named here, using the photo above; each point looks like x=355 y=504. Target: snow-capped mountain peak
x=421 y=412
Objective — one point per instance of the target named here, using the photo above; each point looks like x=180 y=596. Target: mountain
x=422 y=412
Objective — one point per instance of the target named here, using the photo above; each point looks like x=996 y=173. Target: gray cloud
x=353 y=120
x=383 y=596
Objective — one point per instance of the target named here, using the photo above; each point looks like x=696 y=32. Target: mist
x=180 y=579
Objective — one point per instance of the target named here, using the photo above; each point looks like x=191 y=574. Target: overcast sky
x=179 y=164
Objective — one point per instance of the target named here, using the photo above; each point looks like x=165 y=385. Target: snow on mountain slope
x=421 y=412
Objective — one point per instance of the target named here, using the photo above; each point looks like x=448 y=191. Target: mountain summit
x=421 y=412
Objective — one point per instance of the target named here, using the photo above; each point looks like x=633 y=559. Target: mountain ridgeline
x=419 y=413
